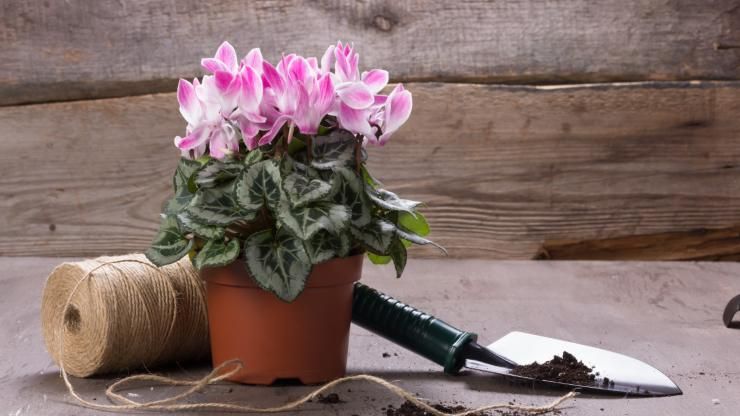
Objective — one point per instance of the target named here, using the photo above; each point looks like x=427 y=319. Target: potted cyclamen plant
x=276 y=208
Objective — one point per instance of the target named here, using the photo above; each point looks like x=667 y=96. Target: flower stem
x=358 y=152
x=309 y=149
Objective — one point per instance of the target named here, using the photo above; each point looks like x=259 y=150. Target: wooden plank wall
x=644 y=138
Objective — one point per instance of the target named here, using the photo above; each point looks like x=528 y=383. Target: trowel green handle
x=418 y=331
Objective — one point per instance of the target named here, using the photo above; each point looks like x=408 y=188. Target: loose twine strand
x=218 y=374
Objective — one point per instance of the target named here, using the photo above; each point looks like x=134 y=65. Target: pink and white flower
x=253 y=100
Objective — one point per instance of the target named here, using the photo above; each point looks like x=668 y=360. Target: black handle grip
x=413 y=329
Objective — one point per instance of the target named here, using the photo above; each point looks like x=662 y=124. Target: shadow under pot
x=306 y=339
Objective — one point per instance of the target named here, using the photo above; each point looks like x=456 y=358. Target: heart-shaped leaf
x=306 y=221
x=376 y=236
x=325 y=246
x=169 y=245
x=217 y=206
x=259 y=186
x=333 y=150
x=301 y=189
x=278 y=262
x=216 y=253
x=415 y=223
x=204 y=231
x=216 y=172
x=253 y=157
x=183 y=195
x=350 y=193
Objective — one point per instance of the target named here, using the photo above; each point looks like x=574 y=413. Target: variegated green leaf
x=350 y=193
x=301 y=189
x=253 y=157
x=217 y=206
x=183 y=195
x=378 y=259
x=216 y=253
x=259 y=186
x=169 y=245
x=185 y=169
x=325 y=246
x=278 y=262
x=399 y=256
x=390 y=201
x=333 y=150
x=376 y=236
x=418 y=239
x=369 y=179
x=306 y=221
x=216 y=172
x=415 y=223
x=204 y=231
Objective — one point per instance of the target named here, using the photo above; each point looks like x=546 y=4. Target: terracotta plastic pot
x=305 y=339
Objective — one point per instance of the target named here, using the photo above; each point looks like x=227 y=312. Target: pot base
x=304 y=340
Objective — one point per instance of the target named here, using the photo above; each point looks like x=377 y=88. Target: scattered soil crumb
x=409 y=409
x=331 y=398
x=564 y=369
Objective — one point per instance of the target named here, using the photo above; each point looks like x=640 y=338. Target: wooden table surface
x=666 y=314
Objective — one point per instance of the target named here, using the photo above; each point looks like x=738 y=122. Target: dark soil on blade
x=562 y=369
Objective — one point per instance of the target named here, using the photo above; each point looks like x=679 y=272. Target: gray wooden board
x=501 y=169
x=667 y=314
x=64 y=50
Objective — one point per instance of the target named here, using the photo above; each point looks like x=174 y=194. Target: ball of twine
x=121 y=313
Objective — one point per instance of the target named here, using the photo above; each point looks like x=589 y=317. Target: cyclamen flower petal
x=355 y=120
x=397 y=111
x=375 y=79
x=227 y=55
x=272 y=78
x=299 y=70
x=324 y=94
x=251 y=90
x=356 y=95
x=226 y=82
x=196 y=138
x=190 y=107
x=224 y=60
x=342 y=65
x=268 y=137
x=212 y=65
x=254 y=60
x=327 y=60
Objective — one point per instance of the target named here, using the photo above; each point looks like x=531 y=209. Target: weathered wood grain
x=64 y=50
x=695 y=245
x=502 y=168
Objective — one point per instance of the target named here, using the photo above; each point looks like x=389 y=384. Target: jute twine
x=133 y=313
x=122 y=313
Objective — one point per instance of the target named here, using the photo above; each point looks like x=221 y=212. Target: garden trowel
x=453 y=349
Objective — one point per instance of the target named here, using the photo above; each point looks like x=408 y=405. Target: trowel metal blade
x=627 y=375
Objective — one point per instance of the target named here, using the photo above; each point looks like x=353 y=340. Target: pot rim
x=336 y=271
